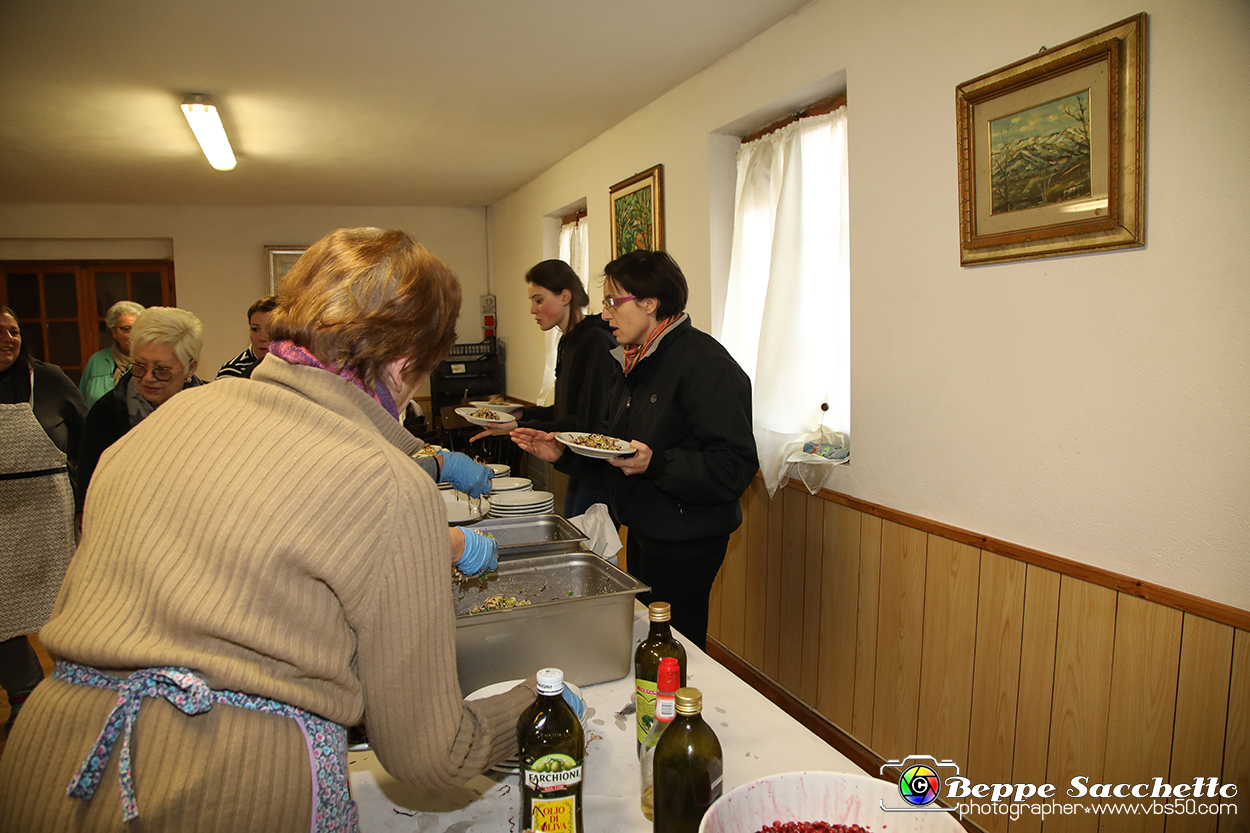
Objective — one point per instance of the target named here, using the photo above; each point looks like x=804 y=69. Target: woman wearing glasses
x=586 y=375
x=685 y=405
x=262 y=565
x=165 y=344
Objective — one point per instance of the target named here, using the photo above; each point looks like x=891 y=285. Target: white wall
x=219 y=257
x=1095 y=407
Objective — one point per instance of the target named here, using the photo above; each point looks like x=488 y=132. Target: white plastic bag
x=603 y=539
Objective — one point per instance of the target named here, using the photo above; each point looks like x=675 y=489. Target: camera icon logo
x=920 y=784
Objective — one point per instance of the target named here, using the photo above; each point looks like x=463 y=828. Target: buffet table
x=757 y=739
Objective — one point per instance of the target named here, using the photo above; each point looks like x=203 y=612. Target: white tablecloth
x=757 y=739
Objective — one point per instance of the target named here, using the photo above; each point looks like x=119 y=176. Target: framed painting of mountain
x=1052 y=150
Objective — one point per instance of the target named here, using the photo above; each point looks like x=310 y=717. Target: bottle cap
x=550 y=681
x=660 y=611
x=669 y=675
x=689 y=701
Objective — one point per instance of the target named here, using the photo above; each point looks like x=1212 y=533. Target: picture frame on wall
x=1052 y=149
x=637 y=211
x=280 y=260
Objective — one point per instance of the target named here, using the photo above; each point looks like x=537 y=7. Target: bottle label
x=553 y=772
x=644 y=702
x=665 y=708
x=554 y=815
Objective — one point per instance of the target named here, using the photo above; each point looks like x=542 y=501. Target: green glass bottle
x=688 y=768
x=659 y=643
x=552 y=751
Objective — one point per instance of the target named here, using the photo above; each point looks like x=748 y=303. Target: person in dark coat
x=586 y=376
x=685 y=407
x=165 y=346
x=41 y=418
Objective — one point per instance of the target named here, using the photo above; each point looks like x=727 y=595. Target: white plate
x=465 y=511
x=512 y=765
x=513 y=500
x=569 y=438
x=506 y=407
x=510 y=484
x=500 y=469
x=467 y=413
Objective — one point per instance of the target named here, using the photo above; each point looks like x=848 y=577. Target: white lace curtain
x=787 y=310
x=575 y=251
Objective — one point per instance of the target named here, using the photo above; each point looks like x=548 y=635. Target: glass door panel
x=60 y=295
x=23 y=294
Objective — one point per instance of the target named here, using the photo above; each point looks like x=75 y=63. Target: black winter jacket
x=690 y=402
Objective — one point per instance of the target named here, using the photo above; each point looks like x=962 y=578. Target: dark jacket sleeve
x=106 y=423
x=586 y=383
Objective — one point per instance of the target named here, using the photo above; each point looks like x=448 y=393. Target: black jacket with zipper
x=690 y=402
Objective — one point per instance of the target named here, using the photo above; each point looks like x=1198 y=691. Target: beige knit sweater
x=274 y=535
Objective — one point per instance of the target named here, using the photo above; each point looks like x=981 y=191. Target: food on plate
x=499 y=603
x=601 y=441
x=812 y=827
x=487 y=413
x=498 y=400
x=427 y=450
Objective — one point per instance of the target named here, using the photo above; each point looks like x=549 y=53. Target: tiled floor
x=46 y=662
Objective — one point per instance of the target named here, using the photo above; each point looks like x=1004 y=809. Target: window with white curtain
x=787 y=308
x=574 y=249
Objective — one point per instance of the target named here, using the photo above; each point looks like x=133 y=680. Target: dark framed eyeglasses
x=161 y=374
x=613 y=303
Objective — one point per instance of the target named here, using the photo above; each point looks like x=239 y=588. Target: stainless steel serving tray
x=580 y=619
x=532 y=534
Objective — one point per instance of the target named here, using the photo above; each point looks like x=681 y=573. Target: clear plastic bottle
x=659 y=643
x=552 y=751
x=688 y=768
x=665 y=711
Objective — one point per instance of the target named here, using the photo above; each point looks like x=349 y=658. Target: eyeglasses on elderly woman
x=159 y=372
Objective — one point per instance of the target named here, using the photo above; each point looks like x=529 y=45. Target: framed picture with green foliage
x=637 y=206
x=1052 y=149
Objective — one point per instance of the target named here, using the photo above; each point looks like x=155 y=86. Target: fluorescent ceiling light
x=202 y=115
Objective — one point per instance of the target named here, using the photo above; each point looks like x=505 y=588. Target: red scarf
x=635 y=352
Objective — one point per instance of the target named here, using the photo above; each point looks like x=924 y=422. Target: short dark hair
x=647 y=274
x=266 y=304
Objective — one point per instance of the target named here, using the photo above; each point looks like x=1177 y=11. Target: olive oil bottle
x=688 y=768
x=659 y=643
x=552 y=750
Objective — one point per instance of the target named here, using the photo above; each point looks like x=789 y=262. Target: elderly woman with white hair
x=165 y=344
x=107 y=365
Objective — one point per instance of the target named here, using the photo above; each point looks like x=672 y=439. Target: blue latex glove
x=481 y=554
x=463 y=474
x=575 y=702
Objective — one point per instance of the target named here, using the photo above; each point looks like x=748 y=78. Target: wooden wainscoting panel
x=950 y=640
x=835 y=697
x=996 y=681
x=733 y=588
x=756 y=613
x=866 y=627
x=813 y=572
x=1084 y=651
x=776 y=594
x=793 y=566
x=1142 y=709
x=1237 y=739
x=900 y=636
x=1037 y=674
x=1201 y=712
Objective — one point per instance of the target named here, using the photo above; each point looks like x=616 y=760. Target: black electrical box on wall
x=470 y=370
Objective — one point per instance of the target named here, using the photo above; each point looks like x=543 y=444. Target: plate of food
x=599 y=446
x=512 y=765
x=487 y=417
x=498 y=405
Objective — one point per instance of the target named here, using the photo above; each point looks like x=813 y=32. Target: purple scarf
x=292 y=353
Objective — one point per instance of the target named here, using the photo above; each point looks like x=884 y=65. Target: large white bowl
x=833 y=797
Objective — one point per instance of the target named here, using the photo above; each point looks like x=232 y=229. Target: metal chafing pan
x=580 y=619
x=532 y=534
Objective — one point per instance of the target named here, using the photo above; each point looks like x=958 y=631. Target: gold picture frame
x=280 y=260
x=1052 y=149
x=637 y=212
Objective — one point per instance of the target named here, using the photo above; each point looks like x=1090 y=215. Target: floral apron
x=333 y=810
x=36 y=520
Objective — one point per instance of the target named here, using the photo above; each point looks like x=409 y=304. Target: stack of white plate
x=514 y=504
x=500 y=469
x=510 y=484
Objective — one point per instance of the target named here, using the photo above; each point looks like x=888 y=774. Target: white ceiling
x=374 y=102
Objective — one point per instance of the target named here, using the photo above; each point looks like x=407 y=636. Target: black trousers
x=680 y=573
